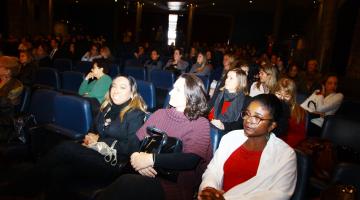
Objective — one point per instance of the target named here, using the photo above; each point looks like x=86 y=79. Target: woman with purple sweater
x=184 y=121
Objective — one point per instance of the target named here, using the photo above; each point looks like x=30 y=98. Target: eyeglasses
x=253 y=119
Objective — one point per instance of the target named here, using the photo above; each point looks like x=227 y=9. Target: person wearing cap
x=10 y=90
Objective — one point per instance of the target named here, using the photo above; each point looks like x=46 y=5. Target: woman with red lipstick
x=252 y=163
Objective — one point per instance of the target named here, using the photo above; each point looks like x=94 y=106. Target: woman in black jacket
x=229 y=102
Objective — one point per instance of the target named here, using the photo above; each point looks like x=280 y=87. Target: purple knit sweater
x=195 y=136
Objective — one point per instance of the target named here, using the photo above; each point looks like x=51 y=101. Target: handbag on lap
x=159 y=142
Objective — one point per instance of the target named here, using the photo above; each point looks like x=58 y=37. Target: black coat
x=123 y=131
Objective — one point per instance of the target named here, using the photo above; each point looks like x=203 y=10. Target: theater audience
x=96 y=82
x=268 y=76
x=121 y=115
x=252 y=163
x=183 y=121
x=201 y=66
x=229 y=102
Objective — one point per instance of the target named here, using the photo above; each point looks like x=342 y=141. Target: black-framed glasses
x=253 y=119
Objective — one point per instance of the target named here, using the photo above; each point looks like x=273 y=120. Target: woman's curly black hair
x=196 y=98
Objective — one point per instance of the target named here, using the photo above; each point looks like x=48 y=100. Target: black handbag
x=22 y=127
x=159 y=142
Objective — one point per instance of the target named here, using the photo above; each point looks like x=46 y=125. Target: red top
x=296 y=132
x=241 y=166
x=224 y=108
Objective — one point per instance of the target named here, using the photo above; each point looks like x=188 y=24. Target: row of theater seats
x=129 y=68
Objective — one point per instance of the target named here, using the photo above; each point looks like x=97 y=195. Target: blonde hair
x=232 y=61
x=271 y=80
x=241 y=80
x=288 y=86
x=136 y=101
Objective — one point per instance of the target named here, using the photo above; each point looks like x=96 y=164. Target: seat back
x=303 y=173
x=48 y=77
x=162 y=79
x=206 y=81
x=72 y=113
x=71 y=81
x=166 y=101
x=62 y=64
x=147 y=91
x=25 y=100
x=215 y=137
x=114 y=70
x=139 y=73
x=42 y=105
x=342 y=130
x=132 y=62
x=83 y=67
x=349 y=108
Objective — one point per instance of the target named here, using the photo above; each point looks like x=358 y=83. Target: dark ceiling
x=220 y=7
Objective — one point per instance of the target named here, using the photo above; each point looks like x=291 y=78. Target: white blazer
x=275 y=178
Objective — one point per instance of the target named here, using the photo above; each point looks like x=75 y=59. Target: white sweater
x=275 y=178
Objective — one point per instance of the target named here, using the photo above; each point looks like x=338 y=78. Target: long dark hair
x=196 y=101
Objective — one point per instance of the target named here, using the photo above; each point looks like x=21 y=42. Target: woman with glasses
x=268 y=76
x=252 y=163
x=121 y=115
x=285 y=90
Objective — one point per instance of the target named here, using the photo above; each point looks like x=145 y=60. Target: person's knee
x=133 y=186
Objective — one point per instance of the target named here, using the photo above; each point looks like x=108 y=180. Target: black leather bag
x=22 y=127
x=159 y=142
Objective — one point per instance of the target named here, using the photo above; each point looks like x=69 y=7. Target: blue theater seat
x=25 y=100
x=72 y=116
x=83 y=67
x=114 y=70
x=303 y=173
x=47 y=78
x=71 y=81
x=342 y=131
x=206 y=81
x=139 y=73
x=62 y=64
x=42 y=105
x=147 y=91
x=215 y=137
x=132 y=62
x=162 y=79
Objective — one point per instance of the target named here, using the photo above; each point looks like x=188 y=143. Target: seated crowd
x=252 y=100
